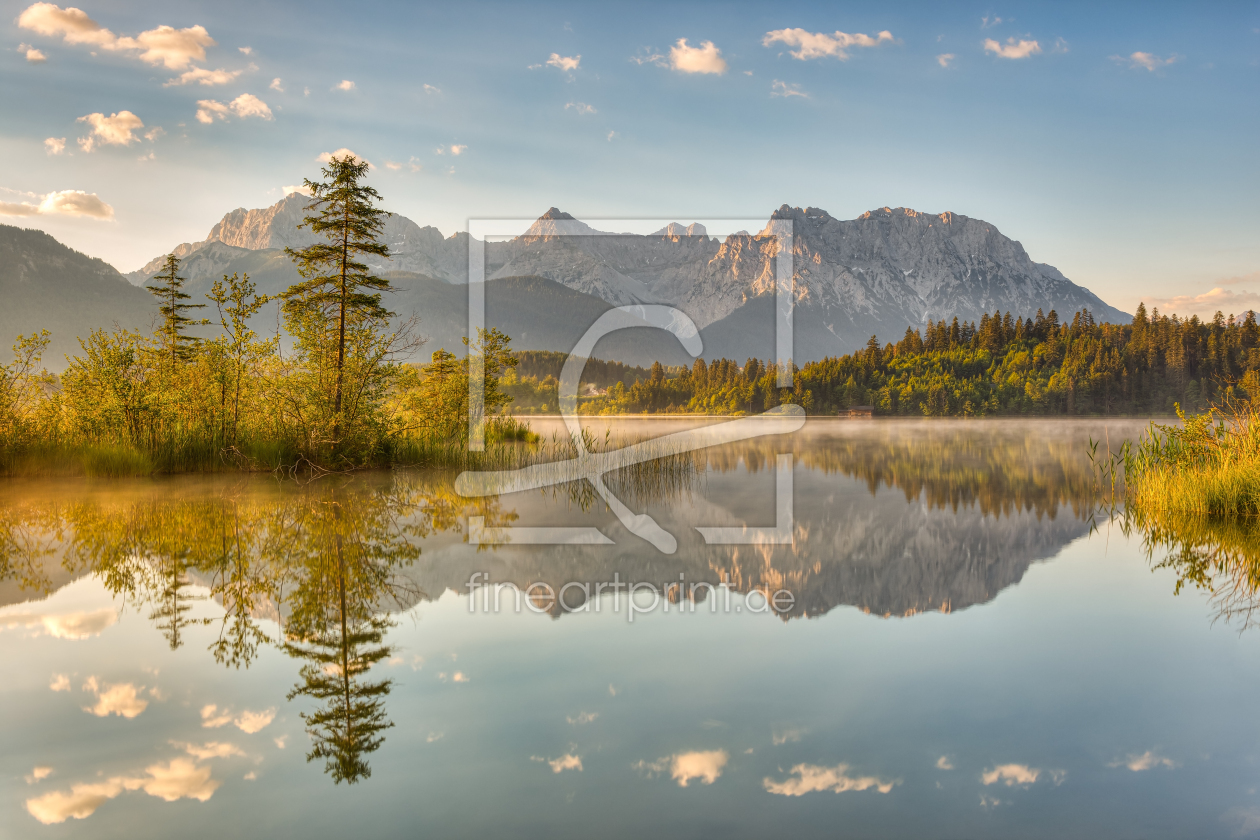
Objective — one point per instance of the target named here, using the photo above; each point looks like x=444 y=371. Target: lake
x=904 y=629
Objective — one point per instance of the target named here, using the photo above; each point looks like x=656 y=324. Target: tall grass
x=1209 y=465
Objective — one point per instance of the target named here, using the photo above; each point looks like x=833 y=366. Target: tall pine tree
x=338 y=294
x=169 y=289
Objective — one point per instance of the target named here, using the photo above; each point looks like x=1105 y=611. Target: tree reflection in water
x=346 y=568
x=323 y=561
x=327 y=563
x=1218 y=555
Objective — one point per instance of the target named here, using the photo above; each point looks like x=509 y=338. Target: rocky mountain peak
x=556 y=223
x=673 y=230
x=889 y=268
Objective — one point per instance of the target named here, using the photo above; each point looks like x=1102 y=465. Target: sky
x=1116 y=142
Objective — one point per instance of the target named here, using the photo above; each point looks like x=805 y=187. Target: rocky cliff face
x=418 y=249
x=874 y=275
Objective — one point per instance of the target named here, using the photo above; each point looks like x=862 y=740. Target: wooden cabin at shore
x=858 y=412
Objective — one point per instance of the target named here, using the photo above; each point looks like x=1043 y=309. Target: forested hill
x=45 y=285
x=1003 y=366
x=541 y=364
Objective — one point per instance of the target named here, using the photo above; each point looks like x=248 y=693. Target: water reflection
x=1219 y=556
x=891 y=523
x=324 y=562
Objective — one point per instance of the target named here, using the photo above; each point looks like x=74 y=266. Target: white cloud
x=209 y=109
x=1146 y=761
x=1208 y=303
x=789 y=734
x=212 y=718
x=414 y=165
x=246 y=50
x=327 y=157
x=395 y=166
x=248 y=105
x=458 y=150
x=174 y=48
x=168 y=46
x=180 y=779
x=280 y=742
x=566 y=762
x=649 y=57
x=344 y=84
x=986 y=21
x=944 y=59
x=1012 y=48
x=251 y=722
x=431 y=89
x=80 y=802
x=582 y=717
x=115 y=130
x=705 y=58
x=1146 y=61
x=459 y=677
x=821 y=45
x=277 y=85
x=75 y=625
x=122 y=699
x=565 y=63
x=434 y=736
x=705 y=766
x=60 y=682
x=72 y=24
x=580 y=107
x=810 y=778
x=943 y=763
x=77 y=203
x=1019 y=774
x=296 y=188
x=202 y=76
x=784 y=89
x=213 y=749
x=38 y=775
x=611 y=135
x=244 y=106
x=34 y=56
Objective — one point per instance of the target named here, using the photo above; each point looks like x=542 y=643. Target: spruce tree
x=338 y=294
x=176 y=346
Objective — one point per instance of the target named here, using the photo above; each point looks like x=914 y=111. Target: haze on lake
x=974 y=647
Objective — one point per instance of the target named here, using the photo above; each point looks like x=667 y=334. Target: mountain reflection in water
x=894 y=519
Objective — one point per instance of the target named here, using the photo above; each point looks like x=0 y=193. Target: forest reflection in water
x=931 y=517
x=1217 y=555
x=323 y=561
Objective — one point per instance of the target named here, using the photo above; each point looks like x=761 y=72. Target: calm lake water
x=967 y=648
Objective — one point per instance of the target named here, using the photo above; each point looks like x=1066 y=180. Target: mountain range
x=874 y=275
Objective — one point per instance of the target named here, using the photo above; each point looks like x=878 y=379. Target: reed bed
x=1208 y=466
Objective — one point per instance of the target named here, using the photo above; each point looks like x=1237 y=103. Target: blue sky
x=1116 y=143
